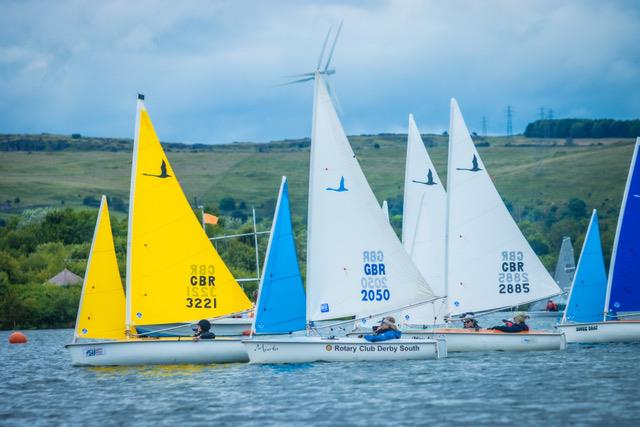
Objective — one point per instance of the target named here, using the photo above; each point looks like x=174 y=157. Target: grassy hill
x=550 y=186
x=533 y=175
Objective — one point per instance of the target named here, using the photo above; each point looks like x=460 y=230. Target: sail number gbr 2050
x=513 y=278
x=201 y=291
x=374 y=280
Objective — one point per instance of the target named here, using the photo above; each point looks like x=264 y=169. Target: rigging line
x=495 y=310
x=182 y=325
x=431 y=301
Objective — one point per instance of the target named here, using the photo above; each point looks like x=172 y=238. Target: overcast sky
x=210 y=69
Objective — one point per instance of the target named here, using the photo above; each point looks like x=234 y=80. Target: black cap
x=205 y=325
x=141 y=97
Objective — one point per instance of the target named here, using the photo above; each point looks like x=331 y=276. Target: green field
x=527 y=176
x=533 y=175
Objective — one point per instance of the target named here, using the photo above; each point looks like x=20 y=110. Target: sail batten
x=174 y=274
x=356 y=265
x=489 y=263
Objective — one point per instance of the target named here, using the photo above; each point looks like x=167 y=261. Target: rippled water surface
x=584 y=385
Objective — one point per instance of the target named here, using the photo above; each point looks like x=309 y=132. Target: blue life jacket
x=384 y=336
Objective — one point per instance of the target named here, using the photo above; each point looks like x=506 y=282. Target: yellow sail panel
x=176 y=273
x=102 y=303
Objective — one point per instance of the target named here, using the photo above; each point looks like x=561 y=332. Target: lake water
x=584 y=385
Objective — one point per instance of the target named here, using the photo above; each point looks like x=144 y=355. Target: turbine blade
x=296 y=81
x=334 y=97
x=324 y=45
x=299 y=75
x=333 y=47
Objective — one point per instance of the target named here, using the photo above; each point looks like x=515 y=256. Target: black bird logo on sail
x=429 y=180
x=340 y=189
x=474 y=165
x=163 y=171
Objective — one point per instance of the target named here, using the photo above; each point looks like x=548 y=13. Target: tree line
x=583 y=128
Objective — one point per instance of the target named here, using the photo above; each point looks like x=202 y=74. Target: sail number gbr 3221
x=201 y=292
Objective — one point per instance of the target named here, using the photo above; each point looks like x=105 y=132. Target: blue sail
x=281 y=304
x=589 y=288
x=624 y=277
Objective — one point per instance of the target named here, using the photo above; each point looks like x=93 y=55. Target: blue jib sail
x=624 y=276
x=281 y=301
x=588 y=292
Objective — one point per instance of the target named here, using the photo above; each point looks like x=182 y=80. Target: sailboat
x=174 y=274
x=281 y=305
x=423 y=231
x=602 y=309
x=356 y=266
x=423 y=226
x=488 y=263
x=565 y=269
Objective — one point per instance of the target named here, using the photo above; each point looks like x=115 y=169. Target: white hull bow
x=598 y=332
x=344 y=349
x=464 y=340
x=157 y=352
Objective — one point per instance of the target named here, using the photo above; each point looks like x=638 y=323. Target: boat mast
x=447 y=222
x=318 y=81
x=132 y=190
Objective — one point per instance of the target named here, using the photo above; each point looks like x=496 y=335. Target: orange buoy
x=17 y=338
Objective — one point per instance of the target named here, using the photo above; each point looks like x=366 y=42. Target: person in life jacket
x=552 y=306
x=518 y=324
x=203 y=331
x=386 y=331
x=469 y=322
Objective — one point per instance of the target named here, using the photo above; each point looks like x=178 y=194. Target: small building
x=65 y=278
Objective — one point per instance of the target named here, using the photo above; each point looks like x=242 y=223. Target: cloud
x=210 y=69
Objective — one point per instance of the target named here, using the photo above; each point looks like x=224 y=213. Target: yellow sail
x=174 y=274
x=102 y=303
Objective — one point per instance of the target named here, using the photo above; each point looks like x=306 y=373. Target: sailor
x=518 y=324
x=552 y=306
x=203 y=331
x=386 y=331
x=469 y=322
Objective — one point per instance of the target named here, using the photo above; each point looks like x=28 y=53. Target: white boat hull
x=157 y=352
x=464 y=340
x=227 y=327
x=344 y=349
x=597 y=332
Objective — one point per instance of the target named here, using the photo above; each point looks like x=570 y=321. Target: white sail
x=423 y=225
x=566 y=266
x=489 y=262
x=424 y=212
x=385 y=210
x=356 y=265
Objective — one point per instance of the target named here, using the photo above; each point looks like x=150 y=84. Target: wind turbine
x=322 y=71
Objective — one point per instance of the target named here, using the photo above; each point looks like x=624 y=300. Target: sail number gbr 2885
x=374 y=280
x=201 y=291
x=513 y=277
